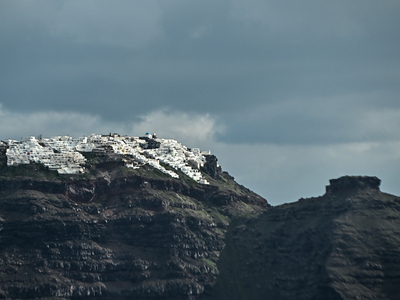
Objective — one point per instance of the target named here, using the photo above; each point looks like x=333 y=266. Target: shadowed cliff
x=342 y=245
x=121 y=233
x=114 y=232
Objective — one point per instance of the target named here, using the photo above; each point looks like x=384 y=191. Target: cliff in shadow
x=342 y=245
x=114 y=232
x=122 y=233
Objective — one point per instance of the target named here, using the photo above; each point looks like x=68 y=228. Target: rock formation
x=342 y=245
x=346 y=184
x=113 y=232
x=123 y=233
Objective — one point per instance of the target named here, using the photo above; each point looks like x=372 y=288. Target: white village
x=64 y=153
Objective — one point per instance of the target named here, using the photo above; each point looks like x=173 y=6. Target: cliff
x=121 y=233
x=114 y=232
x=342 y=245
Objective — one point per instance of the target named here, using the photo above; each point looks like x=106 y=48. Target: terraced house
x=64 y=153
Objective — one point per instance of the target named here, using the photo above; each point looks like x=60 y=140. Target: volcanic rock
x=342 y=245
x=113 y=232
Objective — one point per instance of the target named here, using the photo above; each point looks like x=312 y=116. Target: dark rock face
x=119 y=233
x=343 y=245
x=115 y=233
x=352 y=183
x=211 y=166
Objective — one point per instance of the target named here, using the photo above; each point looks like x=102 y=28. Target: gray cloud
x=320 y=120
x=286 y=173
x=281 y=73
x=131 y=24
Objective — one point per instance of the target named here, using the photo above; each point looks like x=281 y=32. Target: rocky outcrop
x=119 y=233
x=343 y=245
x=346 y=184
x=113 y=233
x=211 y=166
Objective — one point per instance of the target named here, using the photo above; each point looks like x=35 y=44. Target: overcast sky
x=287 y=94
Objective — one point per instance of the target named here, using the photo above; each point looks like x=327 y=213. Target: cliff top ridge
x=350 y=183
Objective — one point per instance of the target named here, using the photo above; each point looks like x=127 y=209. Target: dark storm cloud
x=271 y=67
x=287 y=94
x=324 y=121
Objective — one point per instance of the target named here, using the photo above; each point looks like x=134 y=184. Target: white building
x=63 y=153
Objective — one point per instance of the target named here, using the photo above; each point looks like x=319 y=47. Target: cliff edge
x=114 y=232
x=342 y=245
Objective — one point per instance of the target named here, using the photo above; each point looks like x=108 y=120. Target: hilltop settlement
x=64 y=153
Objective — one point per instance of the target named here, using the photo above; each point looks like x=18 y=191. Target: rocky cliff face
x=114 y=233
x=119 y=233
x=343 y=245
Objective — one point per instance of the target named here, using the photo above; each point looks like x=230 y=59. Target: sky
x=287 y=94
